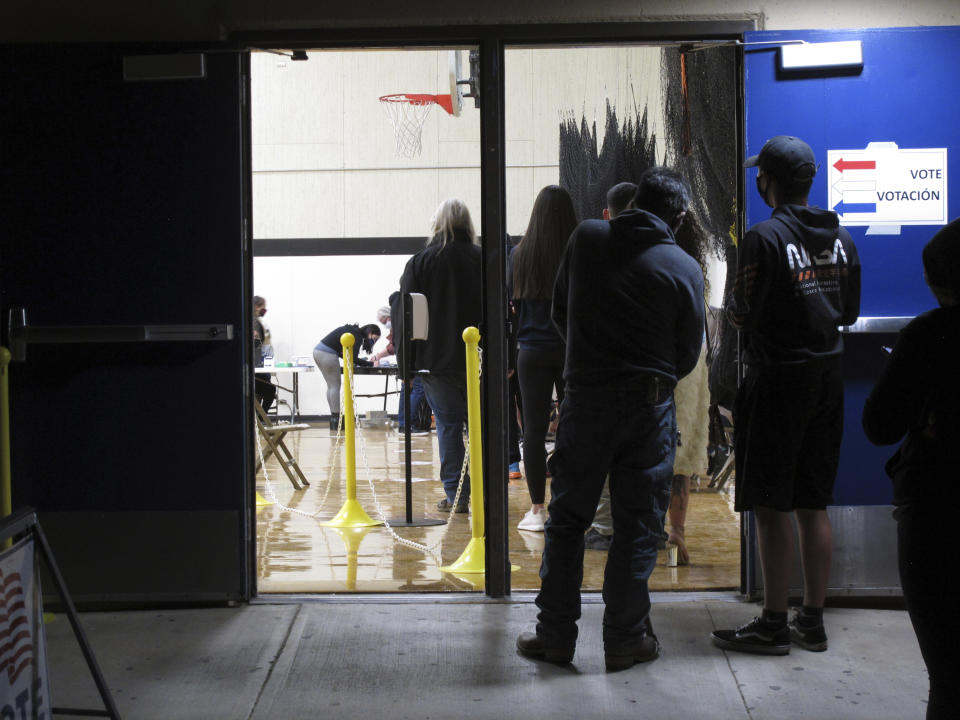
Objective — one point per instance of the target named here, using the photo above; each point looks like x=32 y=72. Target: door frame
x=492 y=41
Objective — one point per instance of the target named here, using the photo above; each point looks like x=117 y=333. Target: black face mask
x=760 y=189
x=368 y=343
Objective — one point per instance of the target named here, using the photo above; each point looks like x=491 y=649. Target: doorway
x=338 y=211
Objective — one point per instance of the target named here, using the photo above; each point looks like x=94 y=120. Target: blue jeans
x=601 y=430
x=416 y=394
x=447 y=395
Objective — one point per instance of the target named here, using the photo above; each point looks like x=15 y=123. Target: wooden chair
x=273 y=439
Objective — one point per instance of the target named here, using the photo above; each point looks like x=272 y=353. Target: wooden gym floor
x=297 y=554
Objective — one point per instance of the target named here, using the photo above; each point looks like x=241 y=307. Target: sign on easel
x=885 y=187
x=24 y=686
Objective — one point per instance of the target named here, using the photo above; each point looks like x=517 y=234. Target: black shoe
x=532 y=645
x=418 y=431
x=334 y=424
x=809 y=637
x=755 y=637
x=622 y=658
x=462 y=506
x=594 y=540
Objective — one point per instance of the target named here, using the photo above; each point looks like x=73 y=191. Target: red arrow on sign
x=842 y=165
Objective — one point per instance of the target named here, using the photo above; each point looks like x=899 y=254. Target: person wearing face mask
x=328 y=352
x=798 y=279
x=264 y=389
x=917 y=400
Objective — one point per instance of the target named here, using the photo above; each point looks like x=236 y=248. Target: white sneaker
x=532 y=521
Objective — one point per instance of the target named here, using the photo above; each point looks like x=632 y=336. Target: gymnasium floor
x=297 y=554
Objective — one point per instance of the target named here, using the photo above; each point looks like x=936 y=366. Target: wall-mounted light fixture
x=847 y=54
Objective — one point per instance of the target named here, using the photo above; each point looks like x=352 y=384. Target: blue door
x=123 y=222
x=887 y=141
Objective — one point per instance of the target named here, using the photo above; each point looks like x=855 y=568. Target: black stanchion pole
x=406 y=324
x=405 y=371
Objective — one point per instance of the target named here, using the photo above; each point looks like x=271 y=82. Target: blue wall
x=907 y=93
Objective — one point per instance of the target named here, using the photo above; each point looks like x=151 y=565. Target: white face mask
x=387 y=324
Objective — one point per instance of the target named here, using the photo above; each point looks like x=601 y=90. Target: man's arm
x=690 y=330
x=752 y=282
x=850 y=286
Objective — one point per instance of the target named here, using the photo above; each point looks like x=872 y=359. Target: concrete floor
x=432 y=658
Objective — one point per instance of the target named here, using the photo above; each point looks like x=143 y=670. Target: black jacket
x=628 y=302
x=798 y=278
x=449 y=277
x=918 y=396
x=332 y=341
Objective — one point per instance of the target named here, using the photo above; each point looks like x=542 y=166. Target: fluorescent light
x=811 y=56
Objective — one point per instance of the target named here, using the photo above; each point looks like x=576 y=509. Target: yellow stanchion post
x=6 y=502
x=352 y=537
x=473 y=559
x=351 y=514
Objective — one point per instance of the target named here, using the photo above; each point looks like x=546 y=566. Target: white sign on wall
x=884 y=186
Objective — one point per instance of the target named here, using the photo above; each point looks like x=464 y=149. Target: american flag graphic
x=16 y=638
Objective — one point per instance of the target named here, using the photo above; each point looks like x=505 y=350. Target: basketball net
x=407 y=113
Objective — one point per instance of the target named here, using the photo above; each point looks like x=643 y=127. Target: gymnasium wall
x=325 y=166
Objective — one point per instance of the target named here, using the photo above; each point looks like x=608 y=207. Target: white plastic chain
x=270 y=493
x=431 y=550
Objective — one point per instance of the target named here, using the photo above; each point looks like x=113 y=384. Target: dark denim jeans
x=447 y=396
x=416 y=393
x=601 y=430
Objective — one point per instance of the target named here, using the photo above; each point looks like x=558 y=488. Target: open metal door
x=123 y=253
x=886 y=141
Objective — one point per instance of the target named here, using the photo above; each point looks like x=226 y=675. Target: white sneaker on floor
x=532 y=521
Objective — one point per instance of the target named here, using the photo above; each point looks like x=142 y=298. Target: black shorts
x=788 y=423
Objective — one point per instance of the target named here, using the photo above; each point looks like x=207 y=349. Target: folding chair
x=273 y=437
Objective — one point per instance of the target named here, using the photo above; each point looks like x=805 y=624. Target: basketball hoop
x=407 y=113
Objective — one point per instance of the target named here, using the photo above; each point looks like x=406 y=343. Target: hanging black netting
x=700 y=88
x=700 y=92
x=587 y=175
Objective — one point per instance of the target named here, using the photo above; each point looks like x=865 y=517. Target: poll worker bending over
x=327 y=354
x=629 y=303
x=917 y=400
x=798 y=279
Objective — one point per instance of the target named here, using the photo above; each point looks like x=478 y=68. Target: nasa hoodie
x=798 y=279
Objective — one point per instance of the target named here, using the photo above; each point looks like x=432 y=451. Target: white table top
x=292 y=369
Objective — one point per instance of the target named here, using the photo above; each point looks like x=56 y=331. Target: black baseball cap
x=787 y=158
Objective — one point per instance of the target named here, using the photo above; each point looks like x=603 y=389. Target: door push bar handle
x=877 y=325
x=20 y=337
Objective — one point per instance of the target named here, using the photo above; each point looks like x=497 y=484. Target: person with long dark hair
x=540 y=349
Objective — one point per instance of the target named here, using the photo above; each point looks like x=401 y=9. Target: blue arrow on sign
x=842 y=208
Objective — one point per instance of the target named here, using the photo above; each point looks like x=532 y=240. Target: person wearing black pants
x=917 y=398
x=540 y=370
x=540 y=353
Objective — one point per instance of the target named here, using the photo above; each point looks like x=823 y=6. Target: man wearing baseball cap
x=798 y=279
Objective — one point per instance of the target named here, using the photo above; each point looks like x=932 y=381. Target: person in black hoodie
x=798 y=279
x=447 y=273
x=629 y=304
x=917 y=399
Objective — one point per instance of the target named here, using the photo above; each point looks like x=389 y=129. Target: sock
x=772 y=618
x=811 y=616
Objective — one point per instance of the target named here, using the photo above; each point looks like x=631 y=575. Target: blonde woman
x=447 y=272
